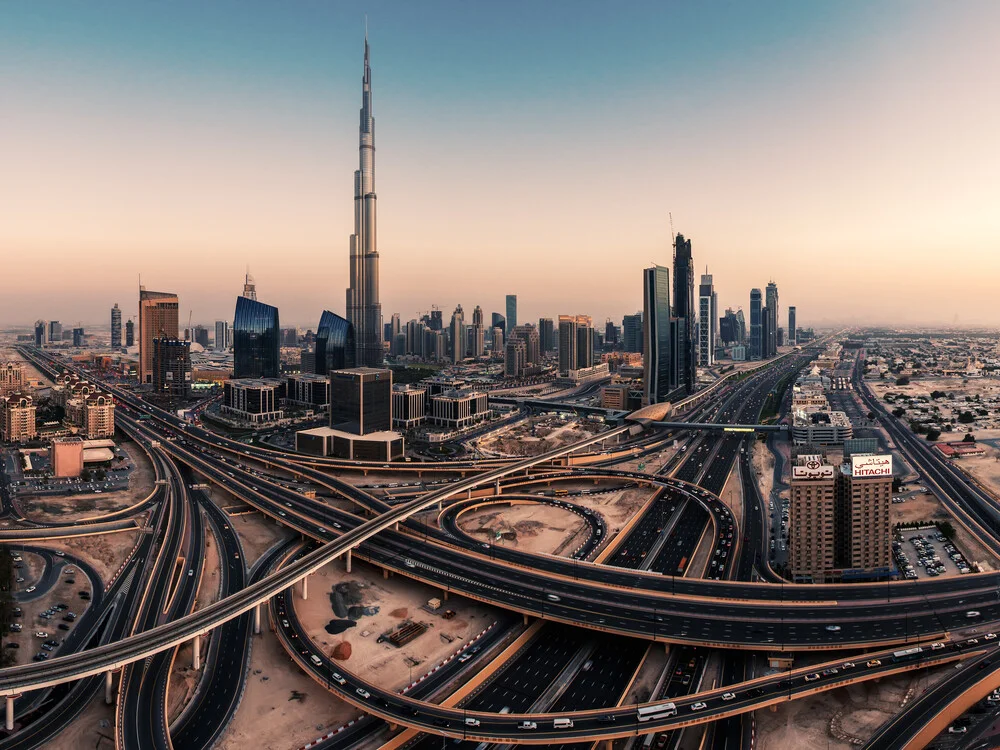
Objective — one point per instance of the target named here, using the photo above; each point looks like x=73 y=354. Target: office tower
x=457 y=328
x=335 y=346
x=781 y=336
x=656 y=330
x=576 y=343
x=477 y=334
x=632 y=332
x=511 y=312
x=55 y=332
x=791 y=326
x=394 y=326
x=864 y=496
x=610 y=333
x=532 y=343
x=546 y=335
x=78 y=335
x=729 y=328
x=170 y=366
x=39 y=333
x=811 y=535
x=765 y=332
x=157 y=319
x=497 y=339
x=221 y=335
x=201 y=336
x=685 y=366
x=715 y=319
x=129 y=332
x=499 y=321
x=361 y=400
x=436 y=320
x=364 y=310
x=116 y=327
x=756 y=343
x=515 y=358
x=415 y=337
x=741 y=326
x=256 y=340
x=706 y=321
x=17 y=418
x=771 y=301
x=477 y=316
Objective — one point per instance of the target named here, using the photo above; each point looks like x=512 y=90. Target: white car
x=698 y=706
x=363 y=693
x=728 y=696
x=29 y=589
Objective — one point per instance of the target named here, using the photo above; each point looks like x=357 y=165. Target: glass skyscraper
x=656 y=334
x=756 y=329
x=256 y=340
x=334 y=343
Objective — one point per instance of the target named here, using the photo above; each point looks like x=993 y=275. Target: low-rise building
x=409 y=406
x=821 y=427
x=457 y=410
x=308 y=390
x=326 y=441
x=253 y=399
x=66 y=456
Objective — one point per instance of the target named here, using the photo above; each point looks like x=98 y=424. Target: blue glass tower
x=256 y=340
x=335 y=345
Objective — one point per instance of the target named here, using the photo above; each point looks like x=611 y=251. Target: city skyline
x=817 y=184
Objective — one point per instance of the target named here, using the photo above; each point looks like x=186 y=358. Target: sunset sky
x=850 y=151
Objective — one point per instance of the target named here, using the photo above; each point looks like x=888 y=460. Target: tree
x=871 y=415
x=898 y=412
x=946 y=528
x=969 y=438
x=933 y=435
x=902 y=380
x=966 y=417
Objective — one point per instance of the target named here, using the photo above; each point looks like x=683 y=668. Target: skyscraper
x=576 y=342
x=458 y=339
x=707 y=321
x=499 y=321
x=546 y=335
x=771 y=300
x=129 y=332
x=791 y=325
x=756 y=345
x=656 y=334
x=55 y=332
x=364 y=311
x=116 y=327
x=157 y=319
x=532 y=343
x=511 y=312
x=256 y=340
x=686 y=364
x=632 y=334
x=39 y=333
x=221 y=335
x=477 y=334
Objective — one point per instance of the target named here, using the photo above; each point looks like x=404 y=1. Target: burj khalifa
x=364 y=311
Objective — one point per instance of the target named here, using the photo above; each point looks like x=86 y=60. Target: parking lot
x=926 y=553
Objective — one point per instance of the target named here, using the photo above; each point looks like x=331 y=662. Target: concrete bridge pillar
x=196 y=653
x=256 y=619
x=10 y=713
x=525 y=620
x=347 y=561
x=109 y=687
x=305 y=587
x=496 y=490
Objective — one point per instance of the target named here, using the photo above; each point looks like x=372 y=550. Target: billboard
x=871 y=466
x=812 y=468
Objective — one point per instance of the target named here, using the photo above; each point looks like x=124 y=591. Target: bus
x=658 y=711
x=906 y=653
x=560 y=493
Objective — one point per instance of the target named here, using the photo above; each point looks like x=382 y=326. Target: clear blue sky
x=533 y=148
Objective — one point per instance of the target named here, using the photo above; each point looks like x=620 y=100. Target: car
x=13 y=645
x=70 y=617
x=41 y=634
x=990 y=637
x=833 y=628
x=63 y=626
x=315 y=659
x=20 y=580
x=60 y=553
x=40 y=656
x=29 y=589
x=464 y=658
x=15 y=627
x=363 y=693
x=972 y=614
x=698 y=706
x=285 y=624
x=812 y=677
x=47 y=647
x=471 y=722
x=973 y=641
x=409 y=563
x=728 y=696
x=527 y=725
x=606 y=719
x=957 y=729
x=338 y=678
x=830 y=672
x=552 y=597
x=873 y=663
x=937 y=646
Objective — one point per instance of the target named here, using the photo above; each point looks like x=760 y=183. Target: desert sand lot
x=534 y=527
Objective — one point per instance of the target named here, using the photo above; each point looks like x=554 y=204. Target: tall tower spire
x=364 y=310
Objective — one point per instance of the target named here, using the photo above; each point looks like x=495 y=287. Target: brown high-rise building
x=839 y=519
x=157 y=319
x=11 y=378
x=811 y=519
x=17 y=418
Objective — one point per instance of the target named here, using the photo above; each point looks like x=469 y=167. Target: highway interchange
x=580 y=602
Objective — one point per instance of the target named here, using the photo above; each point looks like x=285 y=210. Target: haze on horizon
x=845 y=150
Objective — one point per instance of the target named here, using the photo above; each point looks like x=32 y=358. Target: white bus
x=659 y=711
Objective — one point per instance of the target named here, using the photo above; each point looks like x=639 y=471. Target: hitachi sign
x=871 y=466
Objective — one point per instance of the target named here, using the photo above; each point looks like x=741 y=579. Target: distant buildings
x=222 y=336
x=78 y=336
x=546 y=334
x=708 y=317
x=17 y=418
x=200 y=336
x=792 y=339
x=576 y=343
x=458 y=338
x=116 y=327
x=511 y=312
x=632 y=333
x=685 y=344
x=756 y=322
x=771 y=301
x=170 y=368
x=55 y=332
x=256 y=338
x=499 y=321
x=657 y=348
x=157 y=320
x=11 y=378
x=39 y=333
x=129 y=333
